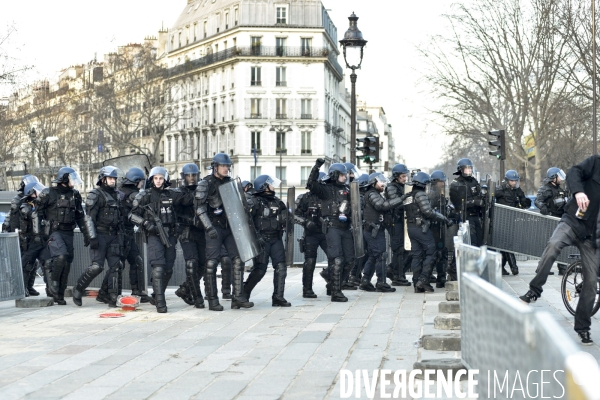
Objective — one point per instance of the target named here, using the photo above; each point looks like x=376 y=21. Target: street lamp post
x=353 y=44
x=281 y=129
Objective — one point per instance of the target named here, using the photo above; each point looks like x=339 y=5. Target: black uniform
x=31 y=249
x=103 y=221
x=308 y=215
x=270 y=216
x=212 y=216
x=131 y=252
x=551 y=199
x=11 y=222
x=335 y=198
x=465 y=194
x=162 y=202
x=419 y=216
x=61 y=209
x=394 y=223
x=439 y=203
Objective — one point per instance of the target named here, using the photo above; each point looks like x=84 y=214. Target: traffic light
x=498 y=144
x=369 y=146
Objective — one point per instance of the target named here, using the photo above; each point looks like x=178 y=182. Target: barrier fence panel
x=525 y=232
x=11 y=273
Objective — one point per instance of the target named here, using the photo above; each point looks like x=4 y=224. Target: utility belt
x=56 y=226
x=473 y=214
x=417 y=221
x=372 y=228
x=271 y=235
x=107 y=230
x=336 y=223
x=169 y=230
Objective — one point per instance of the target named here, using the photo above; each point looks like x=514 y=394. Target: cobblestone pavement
x=261 y=353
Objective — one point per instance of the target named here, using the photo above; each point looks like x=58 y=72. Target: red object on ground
x=128 y=303
x=111 y=315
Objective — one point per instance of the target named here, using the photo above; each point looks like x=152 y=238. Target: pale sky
x=53 y=34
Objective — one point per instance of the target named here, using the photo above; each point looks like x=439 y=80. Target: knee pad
x=95 y=269
x=226 y=262
x=211 y=266
x=139 y=262
x=158 y=271
x=237 y=263
x=281 y=268
x=191 y=266
x=60 y=261
x=117 y=267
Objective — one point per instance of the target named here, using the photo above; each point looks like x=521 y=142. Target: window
x=255 y=43
x=254 y=173
x=236 y=14
x=280 y=107
x=305 y=44
x=226 y=20
x=280 y=79
x=280 y=46
x=214 y=113
x=255 y=108
x=232 y=109
x=223 y=111
x=195 y=30
x=255 y=142
x=306 y=147
x=168 y=148
x=306 y=106
x=255 y=76
x=218 y=22
x=304 y=174
x=281 y=142
x=280 y=174
x=205 y=145
x=282 y=15
x=205 y=26
x=179 y=36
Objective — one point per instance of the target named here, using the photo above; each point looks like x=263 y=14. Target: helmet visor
x=561 y=174
x=29 y=179
x=273 y=182
x=382 y=179
x=37 y=188
x=74 y=179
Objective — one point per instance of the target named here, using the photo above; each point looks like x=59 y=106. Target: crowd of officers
x=408 y=205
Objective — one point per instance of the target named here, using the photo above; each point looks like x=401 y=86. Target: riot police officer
x=154 y=211
x=308 y=215
x=211 y=213
x=356 y=273
x=247 y=186
x=439 y=203
x=419 y=216
x=353 y=172
x=394 y=223
x=192 y=240
x=61 y=209
x=270 y=216
x=103 y=221
x=30 y=249
x=468 y=199
x=12 y=222
x=336 y=211
x=374 y=234
x=510 y=194
x=134 y=180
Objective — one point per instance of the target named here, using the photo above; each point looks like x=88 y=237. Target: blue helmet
x=462 y=164
x=134 y=176
x=555 y=172
x=438 y=176
x=246 y=184
x=421 y=179
x=261 y=183
x=190 y=169
x=159 y=171
x=107 y=172
x=31 y=188
x=66 y=175
x=27 y=179
x=351 y=168
x=511 y=175
x=399 y=169
x=220 y=159
x=335 y=171
x=363 y=180
x=377 y=177
x=322 y=176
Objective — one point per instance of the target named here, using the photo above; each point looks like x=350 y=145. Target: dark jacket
x=511 y=197
x=584 y=177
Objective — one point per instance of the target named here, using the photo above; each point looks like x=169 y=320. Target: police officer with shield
x=270 y=216
x=419 y=216
x=154 y=212
x=468 y=199
x=61 y=210
x=103 y=221
x=30 y=249
x=211 y=212
x=375 y=208
x=394 y=223
x=336 y=210
x=439 y=202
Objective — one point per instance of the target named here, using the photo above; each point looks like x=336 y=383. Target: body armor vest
x=109 y=213
x=338 y=204
x=269 y=217
x=370 y=214
x=25 y=223
x=412 y=209
x=63 y=210
x=126 y=195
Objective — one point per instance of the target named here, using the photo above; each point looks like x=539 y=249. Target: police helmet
x=378 y=177
x=511 y=175
x=421 y=179
x=31 y=188
x=159 y=171
x=555 y=172
x=220 y=159
x=363 y=180
x=322 y=176
x=245 y=185
x=107 y=172
x=66 y=175
x=335 y=171
x=462 y=164
x=398 y=170
x=351 y=168
x=134 y=176
x=190 y=169
x=26 y=180
x=262 y=182
x=438 y=176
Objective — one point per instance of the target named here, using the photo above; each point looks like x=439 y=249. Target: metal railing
x=11 y=274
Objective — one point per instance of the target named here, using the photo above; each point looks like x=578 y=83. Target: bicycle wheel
x=571 y=285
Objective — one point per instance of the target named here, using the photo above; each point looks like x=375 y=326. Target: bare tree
x=10 y=68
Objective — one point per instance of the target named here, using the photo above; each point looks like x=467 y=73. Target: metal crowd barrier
x=11 y=273
x=524 y=232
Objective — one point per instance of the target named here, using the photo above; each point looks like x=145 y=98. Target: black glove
x=320 y=162
x=261 y=242
x=544 y=210
x=449 y=223
x=311 y=226
x=94 y=243
x=212 y=233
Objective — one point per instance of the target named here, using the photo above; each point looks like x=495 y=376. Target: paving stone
x=451 y=286
x=449 y=307
x=445 y=364
x=452 y=295
x=442 y=342
x=448 y=321
x=34 y=302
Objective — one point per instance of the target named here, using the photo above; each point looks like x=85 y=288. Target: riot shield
x=357 y=227
x=124 y=163
x=487 y=215
x=239 y=220
x=289 y=230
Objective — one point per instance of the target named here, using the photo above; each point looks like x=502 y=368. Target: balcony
x=306 y=152
x=256 y=83
x=280 y=116
x=258 y=152
x=305 y=116
x=282 y=152
x=255 y=116
x=281 y=83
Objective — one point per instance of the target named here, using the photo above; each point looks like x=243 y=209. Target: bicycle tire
x=571 y=279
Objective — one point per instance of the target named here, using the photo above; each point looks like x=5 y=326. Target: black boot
x=308 y=270
x=398 y=267
x=30 y=282
x=512 y=261
x=114 y=284
x=226 y=270
x=48 y=277
x=240 y=300
x=193 y=282
x=184 y=293
x=64 y=279
x=103 y=296
x=366 y=285
x=25 y=281
x=210 y=281
x=83 y=282
x=423 y=285
x=158 y=285
x=336 y=281
x=279 y=286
